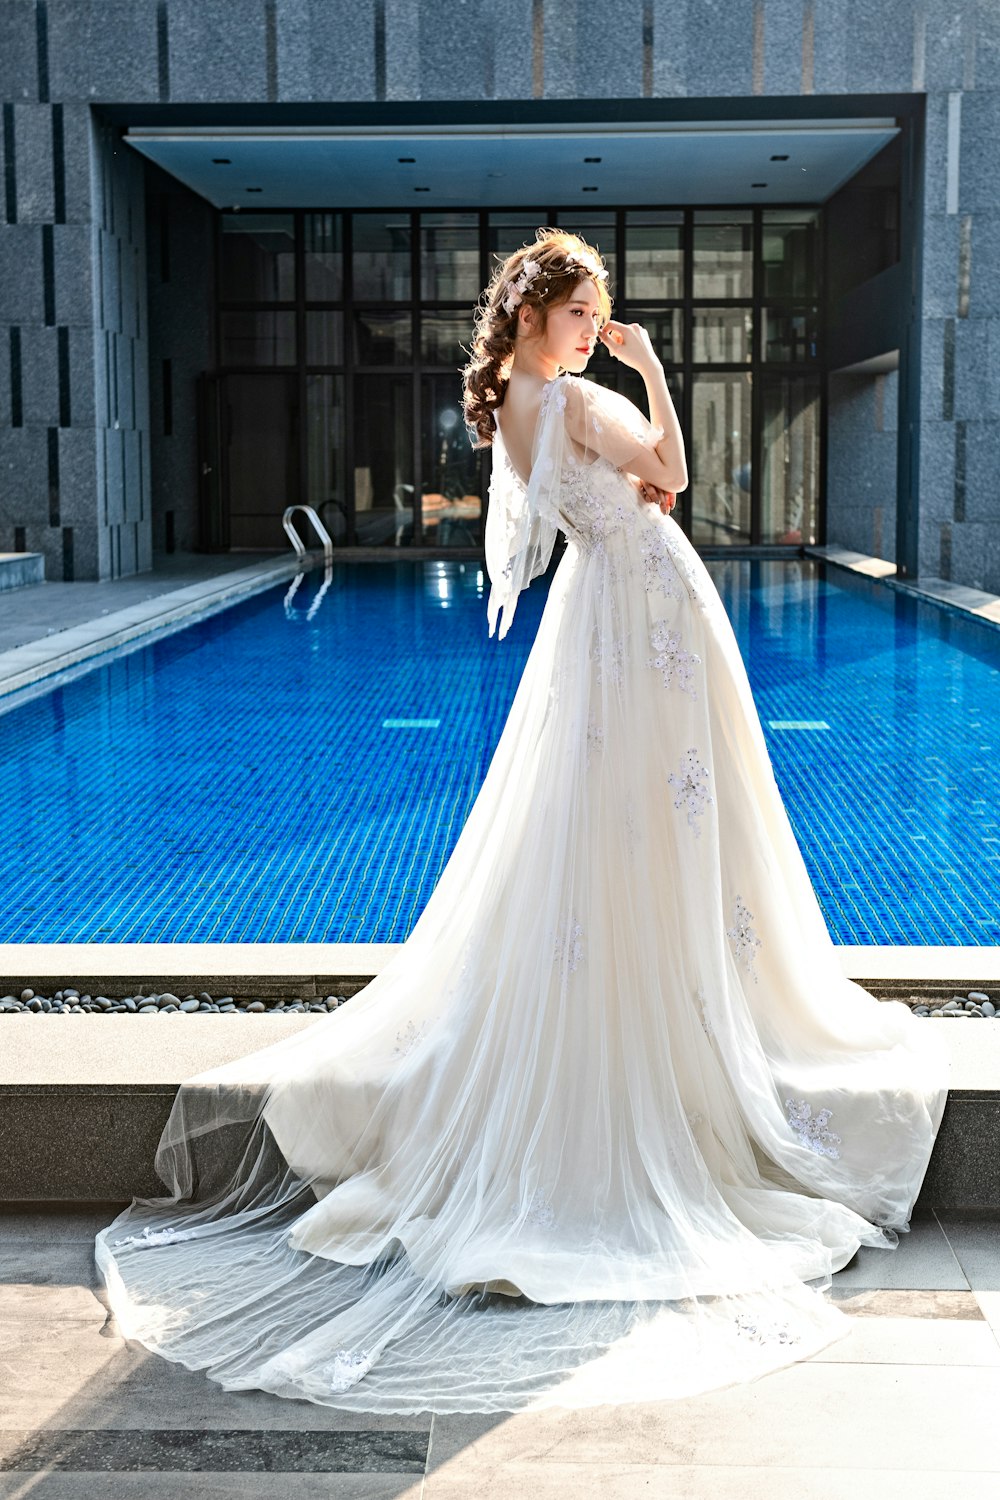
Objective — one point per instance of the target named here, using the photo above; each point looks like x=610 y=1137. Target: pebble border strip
x=69 y=1001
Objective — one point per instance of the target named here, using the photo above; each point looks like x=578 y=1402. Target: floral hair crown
x=576 y=260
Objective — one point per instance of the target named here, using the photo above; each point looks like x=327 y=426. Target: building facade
x=242 y=241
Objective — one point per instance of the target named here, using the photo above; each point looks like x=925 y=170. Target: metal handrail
x=320 y=529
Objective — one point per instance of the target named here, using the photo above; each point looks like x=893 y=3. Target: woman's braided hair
x=541 y=275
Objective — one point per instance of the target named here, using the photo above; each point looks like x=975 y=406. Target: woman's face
x=572 y=327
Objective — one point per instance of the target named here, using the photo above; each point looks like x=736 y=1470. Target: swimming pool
x=266 y=777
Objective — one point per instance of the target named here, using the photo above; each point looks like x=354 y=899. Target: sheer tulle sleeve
x=604 y=424
x=521 y=522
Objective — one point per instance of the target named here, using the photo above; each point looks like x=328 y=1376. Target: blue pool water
x=260 y=778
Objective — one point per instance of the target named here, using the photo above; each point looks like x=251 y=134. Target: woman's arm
x=667 y=467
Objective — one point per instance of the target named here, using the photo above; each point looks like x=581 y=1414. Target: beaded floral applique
x=595 y=739
x=703 y=1016
x=408 y=1037
x=743 y=938
x=347 y=1367
x=150 y=1236
x=658 y=565
x=766 y=1332
x=691 y=786
x=610 y=659
x=671 y=660
x=539 y=1211
x=812 y=1129
x=569 y=946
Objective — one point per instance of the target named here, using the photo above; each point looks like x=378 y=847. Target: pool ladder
x=300 y=549
x=318 y=527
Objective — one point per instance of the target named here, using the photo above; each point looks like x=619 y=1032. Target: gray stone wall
x=74 y=476
x=861 y=463
x=181 y=236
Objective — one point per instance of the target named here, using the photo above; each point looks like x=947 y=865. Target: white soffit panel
x=708 y=162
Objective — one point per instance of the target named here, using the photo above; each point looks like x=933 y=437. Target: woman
x=611 y=1117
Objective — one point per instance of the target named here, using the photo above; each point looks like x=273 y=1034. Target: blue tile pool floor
x=260 y=778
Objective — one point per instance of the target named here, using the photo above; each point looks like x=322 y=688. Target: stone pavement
x=903 y=1408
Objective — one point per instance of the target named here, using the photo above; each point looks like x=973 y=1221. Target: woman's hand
x=665 y=499
x=630 y=343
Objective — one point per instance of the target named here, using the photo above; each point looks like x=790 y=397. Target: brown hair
x=484 y=379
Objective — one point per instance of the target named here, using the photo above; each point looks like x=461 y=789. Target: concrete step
x=83 y=1101
x=20 y=569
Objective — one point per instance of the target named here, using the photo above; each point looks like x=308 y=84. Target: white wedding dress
x=612 y=1115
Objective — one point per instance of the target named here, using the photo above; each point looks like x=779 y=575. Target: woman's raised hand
x=630 y=343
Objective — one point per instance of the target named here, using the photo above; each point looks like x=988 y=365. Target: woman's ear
x=526 y=319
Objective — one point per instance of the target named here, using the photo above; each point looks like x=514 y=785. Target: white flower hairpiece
x=513 y=295
x=530 y=269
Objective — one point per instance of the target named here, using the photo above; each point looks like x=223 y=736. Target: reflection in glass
x=790 y=334
x=723 y=253
x=442 y=335
x=257 y=338
x=324 y=338
x=789 y=251
x=790 y=458
x=665 y=326
x=449 y=257
x=719 y=458
x=381 y=256
x=722 y=335
x=654 y=255
x=450 y=503
x=325 y=452
x=383 y=338
x=324 y=257
x=258 y=258
x=383 y=460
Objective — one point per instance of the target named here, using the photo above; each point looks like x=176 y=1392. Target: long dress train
x=610 y=1118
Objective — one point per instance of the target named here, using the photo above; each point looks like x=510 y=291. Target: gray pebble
x=978 y=995
x=989 y=1009
x=189 y=1004
x=25 y=995
x=256 y=1005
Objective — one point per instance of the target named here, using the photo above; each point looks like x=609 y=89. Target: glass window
x=323 y=251
x=789 y=251
x=257 y=338
x=382 y=245
x=449 y=257
x=383 y=460
x=325 y=452
x=665 y=326
x=723 y=253
x=450 y=503
x=790 y=458
x=654 y=255
x=790 y=334
x=258 y=258
x=598 y=229
x=324 y=338
x=719 y=458
x=508 y=232
x=383 y=338
x=442 y=335
x=721 y=335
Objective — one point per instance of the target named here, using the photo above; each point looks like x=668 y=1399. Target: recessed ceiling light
x=592 y=158
x=588 y=190
x=421 y=190
x=221 y=161
x=758 y=184
x=406 y=158
x=779 y=158
x=255 y=190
